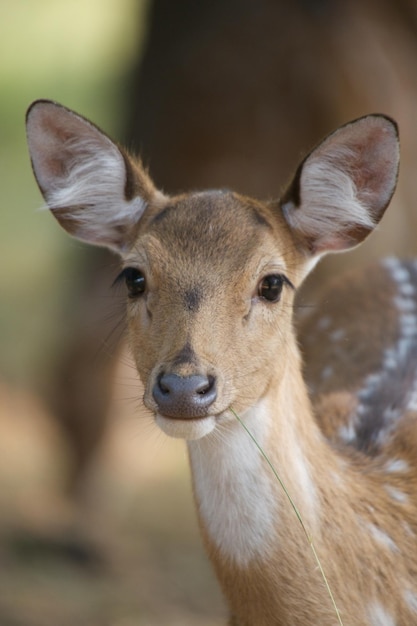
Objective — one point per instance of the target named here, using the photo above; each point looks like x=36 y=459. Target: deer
x=211 y=278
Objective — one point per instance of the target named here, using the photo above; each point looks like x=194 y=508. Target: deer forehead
x=209 y=238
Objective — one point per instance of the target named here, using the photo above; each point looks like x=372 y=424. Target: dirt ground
x=129 y=555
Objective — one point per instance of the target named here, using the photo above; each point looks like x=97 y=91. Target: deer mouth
x=186 y=427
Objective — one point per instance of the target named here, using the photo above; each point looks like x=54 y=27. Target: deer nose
x=184 y=397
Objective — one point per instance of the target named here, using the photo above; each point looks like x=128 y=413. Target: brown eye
x=135 y=281
x=270 y=287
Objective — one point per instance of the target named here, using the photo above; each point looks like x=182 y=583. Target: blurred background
x=96 y=518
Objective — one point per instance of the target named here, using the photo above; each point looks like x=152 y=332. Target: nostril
x=206 y=386
x=163 y=384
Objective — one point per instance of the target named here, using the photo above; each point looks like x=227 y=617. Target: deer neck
x=239 y=500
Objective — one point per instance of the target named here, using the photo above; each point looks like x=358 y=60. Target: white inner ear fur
x=329 y=200
x=94 y=180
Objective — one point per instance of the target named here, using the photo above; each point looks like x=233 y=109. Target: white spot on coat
x=382 y=538
x=410 y=598
x=396 y=465
x=396 y=494
x=347 y=432
x=324 y=323
x=338 y=335
x=379 y=615
x=327 y=372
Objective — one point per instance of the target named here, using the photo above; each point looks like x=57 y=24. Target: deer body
x=211 y=278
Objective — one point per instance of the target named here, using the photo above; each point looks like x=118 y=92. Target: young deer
x=211 y=279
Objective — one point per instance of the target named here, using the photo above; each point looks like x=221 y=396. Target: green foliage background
x=77 y=53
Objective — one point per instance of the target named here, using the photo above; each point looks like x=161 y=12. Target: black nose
x=184 y=397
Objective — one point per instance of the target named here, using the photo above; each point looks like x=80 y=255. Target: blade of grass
x=296 y=511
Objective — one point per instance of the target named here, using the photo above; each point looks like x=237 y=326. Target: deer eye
x=271 y=286
x=135 y=281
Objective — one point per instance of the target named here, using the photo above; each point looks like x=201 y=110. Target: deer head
x=211 y=275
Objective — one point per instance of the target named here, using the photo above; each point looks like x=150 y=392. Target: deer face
x=210 y=297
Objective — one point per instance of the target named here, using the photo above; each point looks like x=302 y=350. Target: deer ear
x=96 y=192
x=342 y=188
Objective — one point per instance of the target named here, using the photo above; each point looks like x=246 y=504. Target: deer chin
x=188 y=429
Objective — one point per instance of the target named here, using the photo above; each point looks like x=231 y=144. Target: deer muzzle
x=184 y=397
